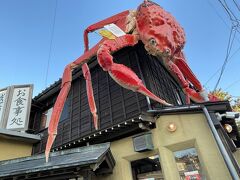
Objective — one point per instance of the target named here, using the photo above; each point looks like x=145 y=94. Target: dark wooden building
x=116 y=106
x=130 y=124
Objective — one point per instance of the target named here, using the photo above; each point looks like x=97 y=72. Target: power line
x=212 y=77
x=51 y=41
x=232 y=84
x=229 y=11
x=234 y=20
x=209 y=2
x=229 y=48
x=220 y=17
x=234 y=27
x=236 y=96
x=216 y=72
x=238 y=7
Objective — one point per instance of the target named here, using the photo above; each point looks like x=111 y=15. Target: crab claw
x=126 y=78
x=123 y=75
x=213 y=97
x=51 y=138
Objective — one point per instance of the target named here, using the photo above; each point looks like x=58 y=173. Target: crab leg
x=120 y=20
x=175 y=70
x=123 y=75
x=183 y=66
x=91 y=101
x=57 y=109
x=65 y=87
x=186 y=71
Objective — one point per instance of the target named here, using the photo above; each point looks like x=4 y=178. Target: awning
x=19 y=136
x=68 y=164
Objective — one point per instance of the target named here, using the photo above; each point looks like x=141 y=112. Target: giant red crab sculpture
x=161 y=35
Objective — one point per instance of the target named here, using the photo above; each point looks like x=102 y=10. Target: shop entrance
x=147 y=169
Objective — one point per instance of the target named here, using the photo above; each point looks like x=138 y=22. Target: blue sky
x=26 y=26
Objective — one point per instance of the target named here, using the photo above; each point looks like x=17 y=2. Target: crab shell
x=158 y=30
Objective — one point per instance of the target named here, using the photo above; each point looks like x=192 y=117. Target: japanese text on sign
x=2 y=103
x=18 y=110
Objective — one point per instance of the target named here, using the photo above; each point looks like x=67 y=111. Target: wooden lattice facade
x=115 y=104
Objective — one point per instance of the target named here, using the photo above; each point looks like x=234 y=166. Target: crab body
x=162 y=37
x=158 y=30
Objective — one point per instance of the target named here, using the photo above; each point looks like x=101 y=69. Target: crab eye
x=167 y=51
x=153 y=42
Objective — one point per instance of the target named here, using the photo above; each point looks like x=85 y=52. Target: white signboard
x=19 y=109
x=3 y=104
x=190 y=173
x=113 y=28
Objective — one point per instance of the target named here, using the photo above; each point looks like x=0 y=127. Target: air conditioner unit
x=143 y=142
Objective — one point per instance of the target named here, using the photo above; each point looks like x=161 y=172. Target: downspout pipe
x=222 y=149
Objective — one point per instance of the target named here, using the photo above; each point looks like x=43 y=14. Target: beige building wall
x=237 y=155
x=192 y=131
x=10 y=149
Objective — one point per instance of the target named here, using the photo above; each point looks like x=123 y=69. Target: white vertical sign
x=19 y=108
x=3 y=103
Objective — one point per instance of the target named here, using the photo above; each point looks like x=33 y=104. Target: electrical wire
x=216 y=12
x=234 y=27
x=218 y=70
x=229 y=11
x=229 y=27
x=236 y=96
x=232 y=84
x=229 y=48
x=214 y=74
x=238 y=7
x=51 y=41
x=235 y=21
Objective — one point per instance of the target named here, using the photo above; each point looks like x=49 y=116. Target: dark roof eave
x=72 y=158
x=218 y=106
x=20 y=136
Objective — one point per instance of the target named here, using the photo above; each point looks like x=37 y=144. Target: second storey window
x=46 y=115
x=45 y=118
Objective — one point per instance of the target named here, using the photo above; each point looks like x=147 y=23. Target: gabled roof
x=73 y=159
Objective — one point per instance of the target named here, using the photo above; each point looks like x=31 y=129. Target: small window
x=178 y=97
x=45 y=118
x=77 y=178
x=147 y=169
x=46 y=115
x=188 y=164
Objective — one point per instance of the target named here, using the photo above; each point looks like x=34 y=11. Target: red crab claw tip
x=95 y=121
x=213 y=98
x=51 y=138
x=128 y=79
x=46 y=156
x=204 y=95
x=146 y=92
